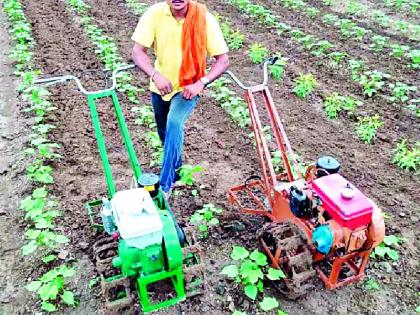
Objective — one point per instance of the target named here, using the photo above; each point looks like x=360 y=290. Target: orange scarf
x=194 y=44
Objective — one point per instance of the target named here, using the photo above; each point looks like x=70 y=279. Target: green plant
x=234 y=105
x=372 y=82
x=371 y=284
x=321 y=47
x=354 y=7
x=414 y=56
x=367 y=127
x=305 y=85
x=406 y=158
x=137 y=7
x=277 y=69
x=337 y=57
x=312 y=12
x=379 y=42
x=398 y=51
x=335 y=103
x=205 y=217
x=257 y=53
x=186 y=172
x=387 y=248
x=145 y=115
x=327 y=2
x=357 y=67
x=250 y=271
x=268 y=304
x=400 y=91
x=51 y=285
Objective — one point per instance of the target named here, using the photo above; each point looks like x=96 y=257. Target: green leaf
x=68 y=298
x=214 y=221
x=48 y=292
x=275 y=274
x=61 y=239
x=391 y=240
x=238 y=313
x=268 y=303
x=251 y=291
x=29 y=248
x=260 y=286
x=67 y=272
x=46 y=306
x=280 y=312
x=380 y=251
x=33 y=286
x=231 y=271
x=40 y=193
x=393 y=254
x=49 y=276
x=48 y=258
x=259 y=258
x=239 y=252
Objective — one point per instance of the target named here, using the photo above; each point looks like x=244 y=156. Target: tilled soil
x=226 y=153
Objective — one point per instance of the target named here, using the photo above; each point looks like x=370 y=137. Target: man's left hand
x=192 y=90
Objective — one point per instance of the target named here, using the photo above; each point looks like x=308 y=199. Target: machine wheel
x=287 y=248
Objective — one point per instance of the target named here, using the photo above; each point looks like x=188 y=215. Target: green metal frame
x=174 y=260
x=91 y=99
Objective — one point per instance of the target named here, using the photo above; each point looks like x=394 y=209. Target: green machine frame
x=174 y=270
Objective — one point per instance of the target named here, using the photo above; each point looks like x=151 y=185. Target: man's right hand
x=164 y=85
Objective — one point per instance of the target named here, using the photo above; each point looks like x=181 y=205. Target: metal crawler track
x=294 y=257
x=119 y=292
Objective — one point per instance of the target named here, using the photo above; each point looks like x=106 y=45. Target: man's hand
x=192 y=90
x=163 y=84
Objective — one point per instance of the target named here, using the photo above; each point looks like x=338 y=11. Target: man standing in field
x=182 y=33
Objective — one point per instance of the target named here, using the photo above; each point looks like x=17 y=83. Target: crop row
x=366 y=127
x=40 y=207
x=349 y=29
x=372 y=81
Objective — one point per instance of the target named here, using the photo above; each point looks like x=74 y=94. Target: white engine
x=137 y=218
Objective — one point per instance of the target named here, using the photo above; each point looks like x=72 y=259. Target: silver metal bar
x=55 y=80
x=268 y=62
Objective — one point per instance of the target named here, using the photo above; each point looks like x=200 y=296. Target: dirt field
x=213 y=141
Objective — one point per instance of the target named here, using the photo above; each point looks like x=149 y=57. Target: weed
x=406 y=158
x=277 y=69
x=305 y=85
x=371 y=285
x=258 y=53
x=367 y=127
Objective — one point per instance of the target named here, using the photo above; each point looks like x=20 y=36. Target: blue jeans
x=170 y=119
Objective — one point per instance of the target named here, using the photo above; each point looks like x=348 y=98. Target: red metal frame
x=278 y=198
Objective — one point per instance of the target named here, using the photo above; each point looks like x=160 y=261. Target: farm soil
x=226 y=153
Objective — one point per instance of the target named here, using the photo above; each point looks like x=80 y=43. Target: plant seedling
x=367 y=127
x=205 y=217
x=386 y=248
x=305 y=85
x=51 y=285
x=258 y=53
x=250 y=271
x=186 y=172
x=406 y=158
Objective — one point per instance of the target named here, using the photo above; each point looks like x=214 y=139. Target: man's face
x=177 y=5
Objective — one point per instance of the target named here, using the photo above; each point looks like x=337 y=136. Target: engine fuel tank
x=343 y=202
